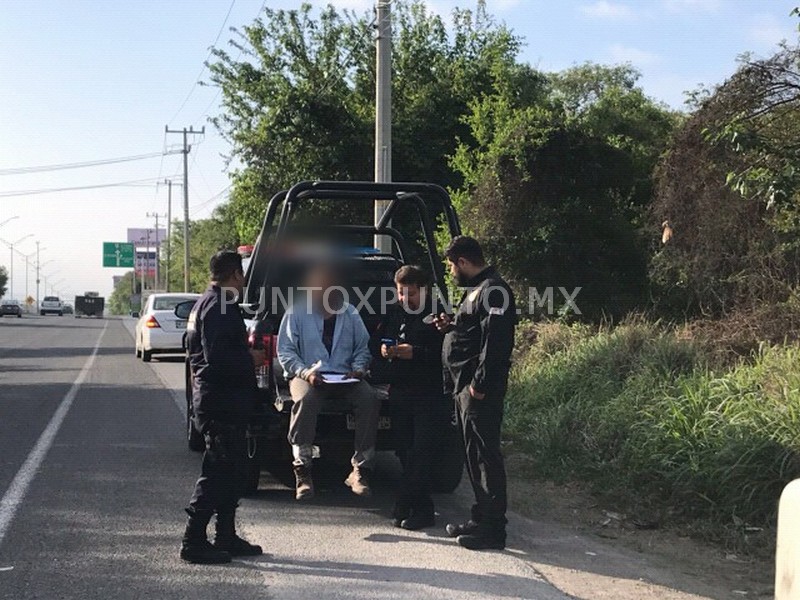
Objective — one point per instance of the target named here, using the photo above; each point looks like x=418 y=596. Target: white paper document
x=338 y=378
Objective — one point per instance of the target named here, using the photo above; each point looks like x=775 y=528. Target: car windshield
x=169 y=303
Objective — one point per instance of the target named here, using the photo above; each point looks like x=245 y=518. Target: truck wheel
x=147 y=355
x=61 y=314
x=278 y=461
x=197 y=442
x=41 y=313
x=254 y=467
x=449 y=468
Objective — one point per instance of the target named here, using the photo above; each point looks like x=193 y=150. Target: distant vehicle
x=51 y=305
x=158 y=330
x=68 y=309
x=10 y=307
x=89 y=305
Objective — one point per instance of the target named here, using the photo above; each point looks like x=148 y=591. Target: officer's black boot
x=401 y=510
x=456 y=529
x=227 y=540
x=487 y=536
x=422 y=514
x=195 y=547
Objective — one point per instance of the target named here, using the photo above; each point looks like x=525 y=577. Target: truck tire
x=449 y=468
x=278 y=461
x=147 y=355
x=197 y=442
x=195 y=439
x=255 y=465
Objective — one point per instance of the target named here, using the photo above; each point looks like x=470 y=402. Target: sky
x=90 y=80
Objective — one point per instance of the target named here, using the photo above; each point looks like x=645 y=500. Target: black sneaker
x=203 y=553
x=456 y=529
x=482 y=541
x=238 y=547
x=416 y=522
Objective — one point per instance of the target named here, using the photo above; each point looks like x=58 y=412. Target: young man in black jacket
x=409 y=353
x=477 y=359
x=223 y=398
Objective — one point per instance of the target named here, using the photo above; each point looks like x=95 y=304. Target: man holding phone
x=477 y=359
x=321 y=333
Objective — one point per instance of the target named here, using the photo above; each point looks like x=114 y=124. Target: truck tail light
x=152 y=323
x=268 y=343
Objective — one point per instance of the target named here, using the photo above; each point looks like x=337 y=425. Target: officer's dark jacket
x=224 y=383
x=477 y=350
x=422 y=375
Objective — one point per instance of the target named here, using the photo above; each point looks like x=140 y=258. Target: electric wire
x=203 y=69
x=80 y=165
x=131 y=183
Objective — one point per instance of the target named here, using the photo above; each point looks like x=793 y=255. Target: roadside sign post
x=118 y=254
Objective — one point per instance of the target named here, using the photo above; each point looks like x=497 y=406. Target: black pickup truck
x=410 y=221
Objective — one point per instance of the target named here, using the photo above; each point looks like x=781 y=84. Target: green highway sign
x=117 y=254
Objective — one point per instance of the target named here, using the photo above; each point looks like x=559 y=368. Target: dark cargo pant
x=224 y=469
x=480 y=423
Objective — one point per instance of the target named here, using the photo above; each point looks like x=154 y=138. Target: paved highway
x=94 y=473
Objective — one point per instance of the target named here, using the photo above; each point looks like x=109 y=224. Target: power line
x=80 y=165
x=203 y=70
x=132 y=183
x=216 y=196
x=238 y=56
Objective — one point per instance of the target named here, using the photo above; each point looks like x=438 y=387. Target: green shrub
x=638 y=412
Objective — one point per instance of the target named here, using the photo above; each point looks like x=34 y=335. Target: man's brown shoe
x=304 y=489
x=358 y=481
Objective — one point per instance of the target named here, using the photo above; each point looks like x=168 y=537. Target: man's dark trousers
x=223 y=473
x=480 y=422
x=418 y=419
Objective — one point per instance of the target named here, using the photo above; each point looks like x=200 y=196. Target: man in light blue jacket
x=321 y=334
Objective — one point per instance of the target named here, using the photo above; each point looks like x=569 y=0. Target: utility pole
x=145 y=259
x=157 y=216
x=186 y=149
x=383 y=110
x=169 y=183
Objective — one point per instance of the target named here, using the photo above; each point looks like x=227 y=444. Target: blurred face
x=409 y=295
x=319 y=281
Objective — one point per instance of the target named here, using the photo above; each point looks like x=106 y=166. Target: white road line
x=22 y=480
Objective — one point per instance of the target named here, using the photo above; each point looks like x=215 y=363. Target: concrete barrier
x=787 y=556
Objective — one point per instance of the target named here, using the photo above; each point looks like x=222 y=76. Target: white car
x=51 y=305
x=158 y=330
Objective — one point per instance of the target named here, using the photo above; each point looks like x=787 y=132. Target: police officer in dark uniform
x=223 y=396
x=477 y=358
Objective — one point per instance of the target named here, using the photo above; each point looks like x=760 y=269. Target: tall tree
x=299 y=98
x=557 y=178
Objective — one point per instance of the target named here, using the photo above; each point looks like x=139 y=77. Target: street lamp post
x=27 y=270
x=9 y=219
x=39 y=266
x=11 y=274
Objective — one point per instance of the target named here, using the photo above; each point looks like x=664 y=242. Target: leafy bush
x=639 y=411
